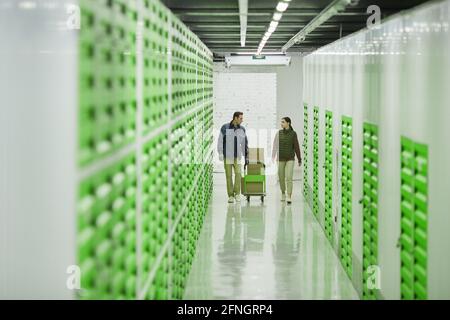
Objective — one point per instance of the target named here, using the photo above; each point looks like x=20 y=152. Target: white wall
x=289 y=87
x=289 y=91
x=37 y=156
x=396 y=77
x=254 y=94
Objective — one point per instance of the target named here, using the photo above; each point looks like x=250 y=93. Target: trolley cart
x=254 y=183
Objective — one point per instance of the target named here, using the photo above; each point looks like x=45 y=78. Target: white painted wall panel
x=397 y=77
x=255 y=94
x=37 y=156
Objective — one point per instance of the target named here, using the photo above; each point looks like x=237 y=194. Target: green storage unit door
x=414 y=219
x=134 y=194
x=316 y=163
x=107 y=232
x=329 y=176
x=346 y=252
x=370 y=204
x=107 y=79
x=305 y=150
x=159 y=289
x=154 y=212
x=155 y=66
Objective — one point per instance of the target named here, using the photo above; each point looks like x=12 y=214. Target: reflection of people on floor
x=286 y=251
x=253 y=220
x=232 y=252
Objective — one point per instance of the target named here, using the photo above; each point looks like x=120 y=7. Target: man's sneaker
x=289 y=199
x=283 y=197
x=238 y=198
x=231 y=200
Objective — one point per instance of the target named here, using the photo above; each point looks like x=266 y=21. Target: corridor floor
x=264 y=251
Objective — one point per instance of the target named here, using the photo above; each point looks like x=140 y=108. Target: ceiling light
x=274 y=24
x=277 y=16
x=27 y=5
x=282 y=6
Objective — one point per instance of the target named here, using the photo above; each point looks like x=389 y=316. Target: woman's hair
x=288 y=120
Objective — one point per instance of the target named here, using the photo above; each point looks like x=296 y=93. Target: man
x=232 y=145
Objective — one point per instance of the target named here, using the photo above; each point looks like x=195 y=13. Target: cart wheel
x=262 y=198
x=248 y=198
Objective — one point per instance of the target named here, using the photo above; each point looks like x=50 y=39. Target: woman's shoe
x=283 y=197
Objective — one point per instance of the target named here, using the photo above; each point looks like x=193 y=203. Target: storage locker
x=390 y=82
x=147 y=183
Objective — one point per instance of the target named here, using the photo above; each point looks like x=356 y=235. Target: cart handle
x=246 y=165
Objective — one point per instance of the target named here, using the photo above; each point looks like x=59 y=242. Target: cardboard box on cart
x=253 y=187
x=254 y=168
x=256 y=155
x=256 y=161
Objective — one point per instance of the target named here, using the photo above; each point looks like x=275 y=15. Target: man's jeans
x=230 y=165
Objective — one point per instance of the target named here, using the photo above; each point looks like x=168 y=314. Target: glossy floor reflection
x=264 y=251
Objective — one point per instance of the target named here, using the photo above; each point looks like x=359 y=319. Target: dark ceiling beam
x=216 y=22
x=266 y=21
x=210 y=41
x=263 y=24
x=273 y=49
x=216 y=30
x=277 y=34
x=268 y=45
x=292 y=12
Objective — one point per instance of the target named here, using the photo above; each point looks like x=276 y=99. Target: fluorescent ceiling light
x=282 y=6
x=277 y=16
x=274 y=24
x=27 y=5
x=243 y=12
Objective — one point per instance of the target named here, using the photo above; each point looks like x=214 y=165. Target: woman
x=286 y=146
